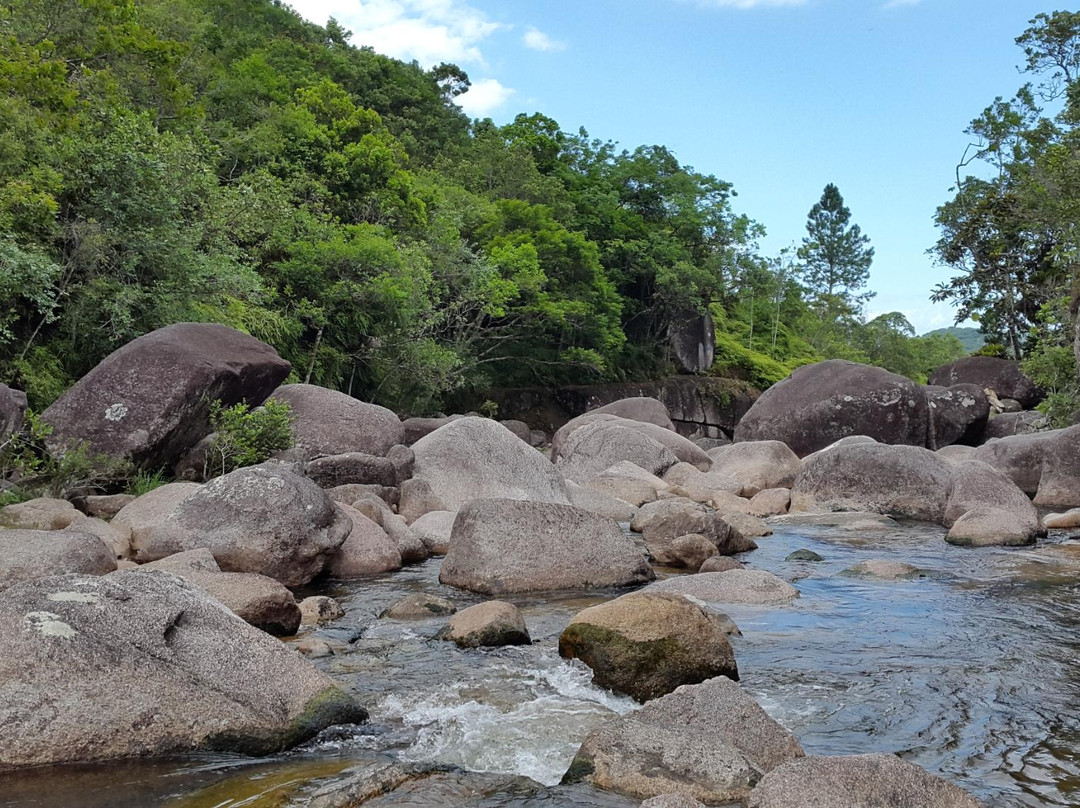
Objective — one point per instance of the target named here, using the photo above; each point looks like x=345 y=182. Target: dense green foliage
x=1009 y=233
x=244 y=436
x=225 y=161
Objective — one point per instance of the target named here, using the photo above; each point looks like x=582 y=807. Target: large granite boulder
x=958 y=414
x=1003 y=376
x=476 y=458
x=756 y=465
x=1006 y=424
x=754 y=587
x=976 y=485
x=894 y=480
x=821 y=403
x=709 y=741
x=487 y=625
x=13 y=410
x=639 y=408
x=29 y=554
x=597 y=446
x=328 y=422
x=686 y=451
x=628 y=482
x=265 y=519
x=987 y=526
x=1045 y=465
x=416 y=428
x=149 y=401
x=499 y=546
x=1059 y=484
x=646 y=644
x=147 y=511
x=856 y=781
x=43 y=513
x=661 y=523
x=143 y=664
x=599 y=502
x=368 y=549
x=692 y=338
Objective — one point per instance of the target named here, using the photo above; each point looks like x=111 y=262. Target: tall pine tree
x=835 y=256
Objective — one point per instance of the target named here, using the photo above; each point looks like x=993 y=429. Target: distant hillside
x=971 y=338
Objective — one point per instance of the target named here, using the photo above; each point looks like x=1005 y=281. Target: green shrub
x=1053 y=369
x=737 y=361
x=991 y=349
x=245 y=437
x=144 y=482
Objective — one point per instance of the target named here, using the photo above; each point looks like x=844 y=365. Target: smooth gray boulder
x=487 y=625
x=757 y=465
x=905 y=481
x=627 y=482
x=434 y=529
x=418 y=606
x=709 y=741
x=1007 y=424
x=1045 y=465
x=499 y=546
x=646 y=644
x=368 y=549
x=819 y=404
x=1003 y=376
x=149 y=401
x=255 y=599
x=265 y=519
x=116 y=537
x=987 y=526
x=599 y=445
x=146 y=512
x=43 y=513
x=640 y=408
x=685 y=450
x=328 y=422
x=600 y=503
x=756 y=587
x=976 y=485
x=477 y=458
x=856 y=781
x=29 y=554
x=661 y=523
x=143 y=664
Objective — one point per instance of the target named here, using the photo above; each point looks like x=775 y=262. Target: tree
x=836 y=256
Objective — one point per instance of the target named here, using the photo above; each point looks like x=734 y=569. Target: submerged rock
x=856 y=781
x=419 y=606
x=709 y=741
x=647 y=644
x=489 y=624
x=194 y=676
x=882 y=568
x=804 y=555
x=499 y=546
x=733 y=586
x=319 y=609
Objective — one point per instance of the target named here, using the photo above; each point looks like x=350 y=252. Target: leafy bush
x=738 y=361
x=1053 y=369
x=245 y=437
x=991 y=349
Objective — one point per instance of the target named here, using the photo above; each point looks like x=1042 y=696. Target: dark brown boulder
x=958 y=414
x=1003 y=376
x=328 y=422
x=693 y=342
x=149 y=401
x=819 y=404
x=1007 y=424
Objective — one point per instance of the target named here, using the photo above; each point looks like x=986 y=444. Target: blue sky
x=778 y=97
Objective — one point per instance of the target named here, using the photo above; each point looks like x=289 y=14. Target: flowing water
x=971 y=670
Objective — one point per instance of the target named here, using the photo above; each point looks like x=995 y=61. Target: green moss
x=735 y=360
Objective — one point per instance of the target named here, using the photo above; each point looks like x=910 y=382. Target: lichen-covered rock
x=500 y=545
x=195 y=677
x=265 y=519
x=647 y=644
x=672 y=801
x=477 y=458
x=1003 y=376
x=43 y=513
x=29 y=554
x=149 y=401
x=352 y=468
x=757 y=465
x=1007 y=424
x=821 y=403
x=856 y=781
x=894 y=480
x=367 y=550
x=487 y=625
x=733 y=586
x=255 y=599
x=709 y=741
x=328 y=422
x=319 y=609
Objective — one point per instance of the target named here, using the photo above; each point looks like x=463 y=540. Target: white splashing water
x=515 y=721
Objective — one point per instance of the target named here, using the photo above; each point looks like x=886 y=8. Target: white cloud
x=484 y=97
x=537 y=40
x=429 y=31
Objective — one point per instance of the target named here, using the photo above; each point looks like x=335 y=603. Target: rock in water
x=856 y=781
x=143 y=664
x=477 y=458
x=821 y=403
x=1044 y=464
x=708 y=741
x=150 y=400
x=894 y=480
x=263 y=519
x=1003 y=376
x=499 y=546
x=731 y=586
x=975 y=485
x=328 y=422
x=487 y=625
x=647 y=644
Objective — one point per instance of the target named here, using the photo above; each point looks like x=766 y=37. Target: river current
x=971 y=669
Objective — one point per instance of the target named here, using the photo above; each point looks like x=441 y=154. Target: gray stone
x=804 y=555
x=639 y=408
x=628 y=482
x=692 y=338
x=486 y=625
x=499 y=546
x=856 y=781
x=348 y=494
x=416 y=498
x=144 y=513
x=29 y=554
x=597 y=446
x=757 y=465
x=416 y=428
x=709 y=741
x=845 y=520
x=263 y=519
x=646 y=644
x=976 y=485
x=660 y=523
x=367 y=550
x=902 y=481
x=149 y=401
x=672 y=801
x=434 y=529
x=107 y=506
x=958 y=414
x=418 y=606
x=255 y=599
x=1016 y=423
x=476 y=458
x=719 y=563
x=734 y=586
x=352 y=468
x=43 y=513
x=770 y=502
x=600 y=503
x=408 y=542
x=821 y=403
x=519 y=428
x=987 y=526
x=319 y=609
x=884 y=569
x=116 y=537
x=12 y=411
x=1003 y=376
x=142 y=664
x=1062 y=521
x=327 y=422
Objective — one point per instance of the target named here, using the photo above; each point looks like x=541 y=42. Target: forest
x=200 y=160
